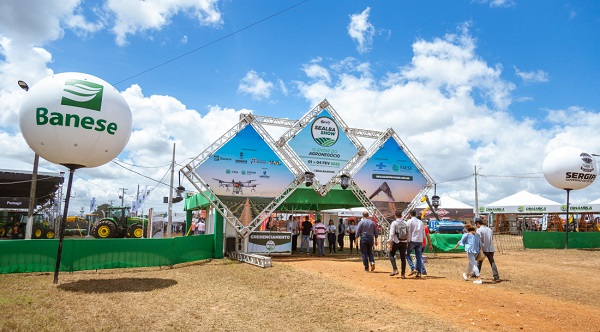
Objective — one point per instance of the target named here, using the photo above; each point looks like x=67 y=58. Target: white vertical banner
x=545 y=222
x=93 y=205
x=141 y=199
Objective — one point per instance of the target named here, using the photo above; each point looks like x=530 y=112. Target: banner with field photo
x=390 y=179
x=245 y=174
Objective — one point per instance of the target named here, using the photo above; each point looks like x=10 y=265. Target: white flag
x=93 y=205
x=142 y=198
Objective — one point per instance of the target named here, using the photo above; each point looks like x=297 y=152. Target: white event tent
x=449 y=208
x=523 y=202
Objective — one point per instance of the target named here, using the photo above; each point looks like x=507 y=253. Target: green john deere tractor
x=40 y=228
x=118 y=224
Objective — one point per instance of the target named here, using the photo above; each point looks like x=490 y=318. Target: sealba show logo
x=325 y=131
x=80 y=94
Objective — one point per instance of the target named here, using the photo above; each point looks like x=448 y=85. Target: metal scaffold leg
x=253 y=259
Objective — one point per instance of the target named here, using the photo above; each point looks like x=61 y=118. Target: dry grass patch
x=543 y=290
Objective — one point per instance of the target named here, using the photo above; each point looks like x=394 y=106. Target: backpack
x=402 y=230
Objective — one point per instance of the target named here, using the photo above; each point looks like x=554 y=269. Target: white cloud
x=132 y=17
x=184 y=40
x=31 y=22
x=362 y=31
x=255 y=86
x=532 y=76
x=451 y=109
x=282 y=87
x=498 y=3
x=316 y=72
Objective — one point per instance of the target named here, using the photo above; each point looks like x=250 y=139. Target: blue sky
x=493 y=84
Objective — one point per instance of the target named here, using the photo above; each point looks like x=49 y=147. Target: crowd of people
x=405 y=238
x=198 y=226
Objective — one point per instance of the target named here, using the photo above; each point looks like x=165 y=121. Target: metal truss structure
x=258 y=260
x=282 y=149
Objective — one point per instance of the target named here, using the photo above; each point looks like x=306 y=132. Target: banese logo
x=325 y=131
x=81 y=94
x=75 y=119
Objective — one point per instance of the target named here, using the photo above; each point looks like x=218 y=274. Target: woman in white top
x=331 y=235
x=351 y=229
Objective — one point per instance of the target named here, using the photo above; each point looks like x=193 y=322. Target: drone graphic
x=236 y=187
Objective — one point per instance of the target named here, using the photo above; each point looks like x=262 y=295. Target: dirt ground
x=542 y=290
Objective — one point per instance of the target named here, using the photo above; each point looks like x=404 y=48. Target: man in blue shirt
x=367 y=231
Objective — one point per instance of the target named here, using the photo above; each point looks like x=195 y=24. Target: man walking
x=306 y=231
x=367 y=231
x=487 y=245
x=398 y=241
x=291 y=226
x=416 y=233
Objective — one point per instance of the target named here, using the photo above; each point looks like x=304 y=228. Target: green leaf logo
x=325 y=131
x=82 y=94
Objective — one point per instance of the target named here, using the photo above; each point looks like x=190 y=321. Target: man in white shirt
x=291 y=226
x=487 y=244
x=416 y=234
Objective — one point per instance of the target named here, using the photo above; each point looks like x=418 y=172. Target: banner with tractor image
x=245 y=174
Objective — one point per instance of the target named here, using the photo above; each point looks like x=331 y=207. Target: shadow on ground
x=117 y=285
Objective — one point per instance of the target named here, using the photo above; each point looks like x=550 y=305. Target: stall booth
x=542 y=222
x=250 y=179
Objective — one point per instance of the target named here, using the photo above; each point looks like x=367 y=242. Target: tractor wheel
x=105 y=229
x=49 y=234
x=135 y=231
x=37 y=232
x=2 y=231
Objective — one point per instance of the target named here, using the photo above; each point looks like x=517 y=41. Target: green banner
x=18 y=256
x=556 y=240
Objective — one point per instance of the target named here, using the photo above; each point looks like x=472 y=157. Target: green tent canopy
x=302 y=199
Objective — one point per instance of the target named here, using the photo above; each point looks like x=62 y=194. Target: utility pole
x=122 y=196
x=476 y=199
x=170 y=216
x=29 y=225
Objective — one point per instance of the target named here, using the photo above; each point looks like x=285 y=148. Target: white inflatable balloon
x=569 y=168
x=75 y=119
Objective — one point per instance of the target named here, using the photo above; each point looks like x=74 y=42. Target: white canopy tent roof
x=449 y=208
x=447 y=202
x=523 y=202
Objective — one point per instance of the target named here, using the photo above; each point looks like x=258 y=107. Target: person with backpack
x=398 y=241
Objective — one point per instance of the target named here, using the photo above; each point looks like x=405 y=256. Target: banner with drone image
x=245 y=174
